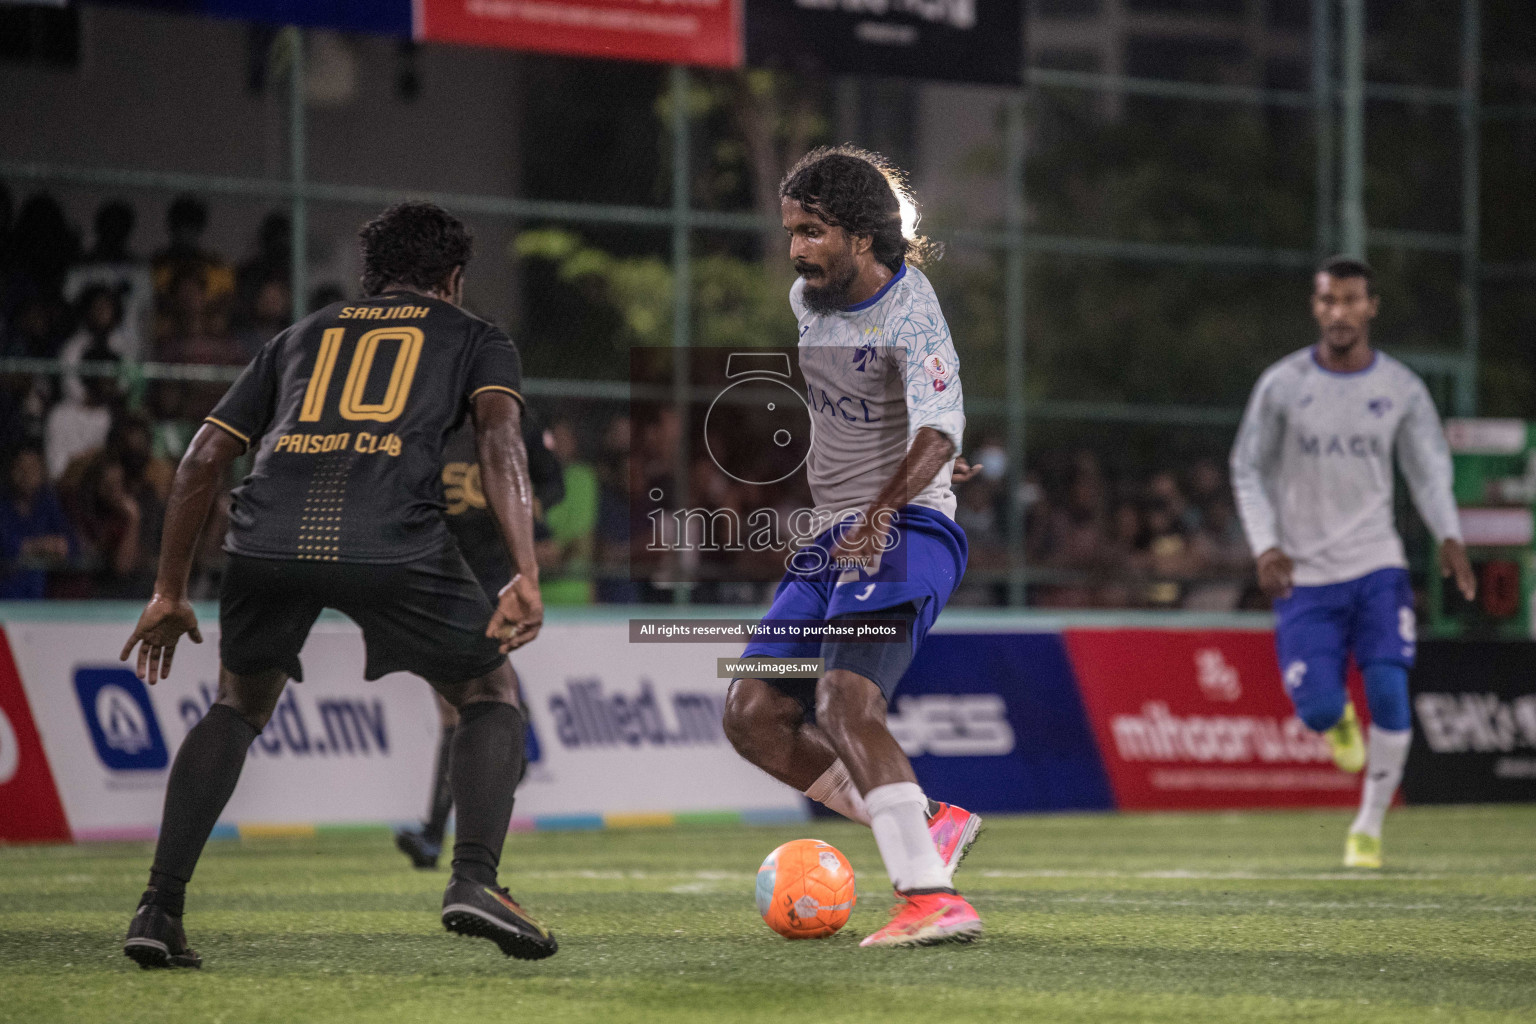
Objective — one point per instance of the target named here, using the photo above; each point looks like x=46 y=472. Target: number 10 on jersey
x=352 y=405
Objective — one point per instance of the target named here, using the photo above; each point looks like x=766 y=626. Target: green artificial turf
x=1177 y=918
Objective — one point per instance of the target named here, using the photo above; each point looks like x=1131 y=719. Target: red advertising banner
x=700 y=32
x=30 y=810
x=1199 y=719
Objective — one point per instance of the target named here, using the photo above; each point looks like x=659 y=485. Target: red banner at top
x=700 y=32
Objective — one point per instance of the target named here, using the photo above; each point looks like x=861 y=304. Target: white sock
x=1385 y=757
x=898 y=813
x=836 y=791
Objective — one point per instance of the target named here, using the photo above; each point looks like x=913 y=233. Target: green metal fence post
x=682 y=291
x=1322 y=112
x=1014 y=289
x=298 y=138
x=1352 y=93
x=1471 y=185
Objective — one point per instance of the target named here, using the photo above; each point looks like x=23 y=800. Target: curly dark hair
x=862 y=193
x=1349 y=266
x=414 y=244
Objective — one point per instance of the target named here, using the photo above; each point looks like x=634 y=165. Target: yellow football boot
x=1362 y=851
x=1347 y=742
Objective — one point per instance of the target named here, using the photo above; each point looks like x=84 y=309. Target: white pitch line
x=1529 y=908
x=640 y=876
x=1176 y=874
x=1183 y=874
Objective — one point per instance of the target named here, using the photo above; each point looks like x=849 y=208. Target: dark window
x=1065 y=8
x=1202 y=60
x=1067 y=60
x=1293 y=14
x=1284 y=73
x=888 y=117
x=1220 y=8
x=40 y=35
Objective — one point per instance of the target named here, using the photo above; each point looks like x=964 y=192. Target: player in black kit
x=348 y=411
x=473 y=525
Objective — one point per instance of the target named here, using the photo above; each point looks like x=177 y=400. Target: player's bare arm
x=1274 y=569
x=199 y=481
x=504 y=475
x=929 y=452
x=1454 y=564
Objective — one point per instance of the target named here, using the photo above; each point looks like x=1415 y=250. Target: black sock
x=933 y=807
x=170 y=894
x=487 y=764
x=202 y=779
x=442 y=793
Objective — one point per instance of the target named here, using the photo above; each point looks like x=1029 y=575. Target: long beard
x=832 y=296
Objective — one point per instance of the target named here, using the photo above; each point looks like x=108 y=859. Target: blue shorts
x=920 y=570
x=1317 y=628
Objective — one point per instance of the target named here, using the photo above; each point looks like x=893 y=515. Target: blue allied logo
x=121 y=719
x=531 y=749
x=1379 y=406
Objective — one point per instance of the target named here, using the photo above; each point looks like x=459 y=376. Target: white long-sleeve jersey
x=1312 y=465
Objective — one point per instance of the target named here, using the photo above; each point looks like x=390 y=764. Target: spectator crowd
x=1170 y=539
x=89 y=450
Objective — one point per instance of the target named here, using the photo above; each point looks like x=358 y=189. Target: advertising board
x=616 y=730
x=1474 y=723
x=958 y=40
x=701 y=32
x=1190 y=719
x=993 y=722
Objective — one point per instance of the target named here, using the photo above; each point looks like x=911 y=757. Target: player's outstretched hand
x=1275 y=573
x=160 y=627
x=963 y=471
x=1455 y=563
x=519 y=614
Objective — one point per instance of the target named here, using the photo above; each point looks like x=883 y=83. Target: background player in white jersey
x=1312 y=469
x=883 y=387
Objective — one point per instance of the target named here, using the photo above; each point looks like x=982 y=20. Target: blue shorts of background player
x=920 y=569
x=1318 y=628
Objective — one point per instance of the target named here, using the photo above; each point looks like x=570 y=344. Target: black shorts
x=881 y=663
x=427 y=616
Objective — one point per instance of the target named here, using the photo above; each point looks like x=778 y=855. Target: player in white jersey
x=883 y=387
x=1312 y=470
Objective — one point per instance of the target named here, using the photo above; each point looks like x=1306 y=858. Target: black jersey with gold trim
x=470 y=518
x=348 y=411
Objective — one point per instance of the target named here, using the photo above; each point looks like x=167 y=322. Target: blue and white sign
x=122 y=721
x=993 y=722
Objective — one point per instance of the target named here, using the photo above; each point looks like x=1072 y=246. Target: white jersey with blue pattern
x=875 y=374
x=1312 y=466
